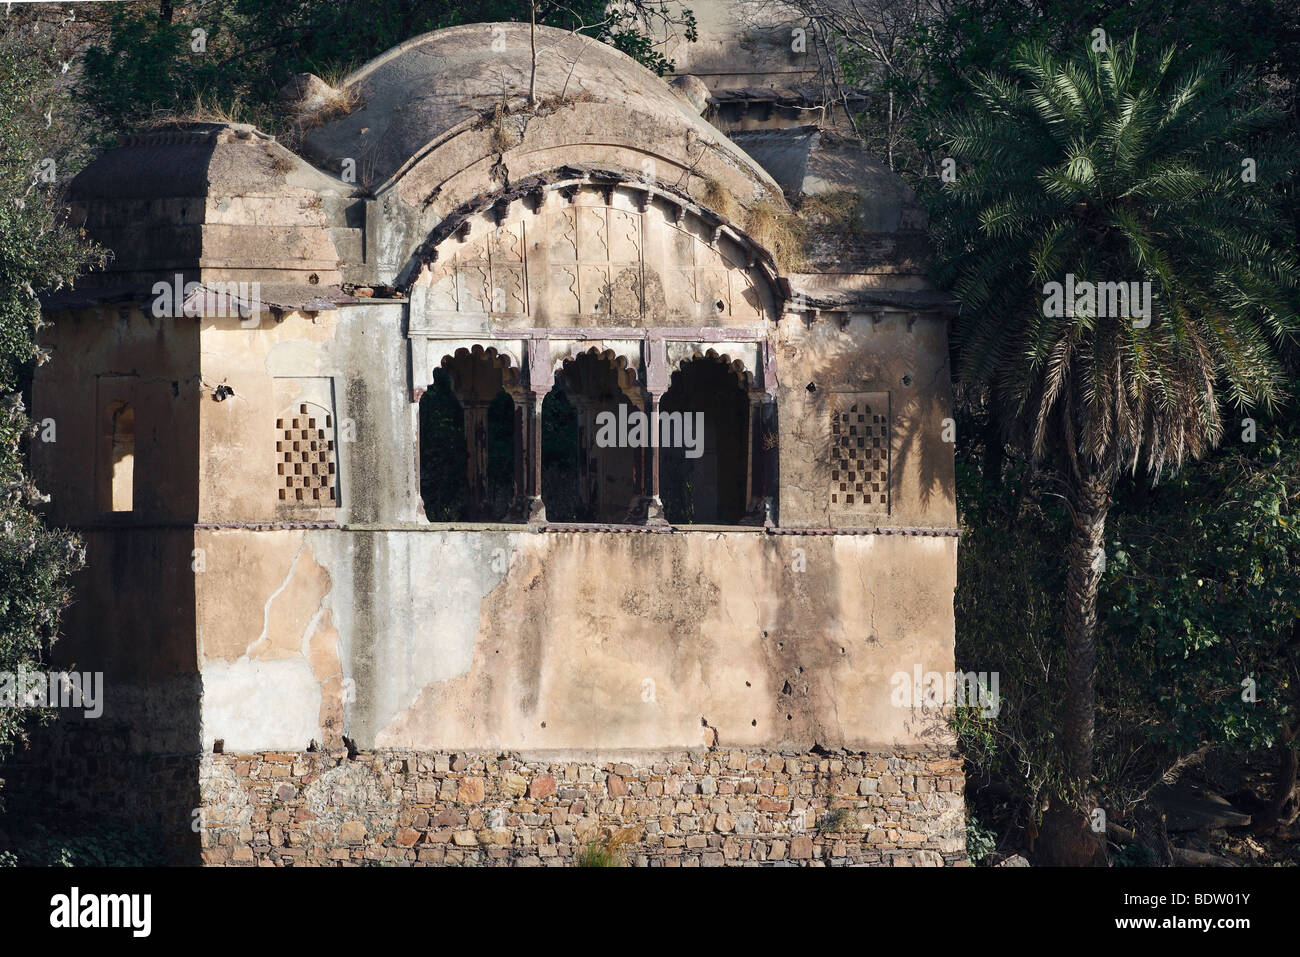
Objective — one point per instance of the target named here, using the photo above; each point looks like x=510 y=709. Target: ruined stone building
x=364 y=578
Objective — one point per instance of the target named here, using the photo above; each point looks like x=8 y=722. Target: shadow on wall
x=923 y=434
x=121 y=787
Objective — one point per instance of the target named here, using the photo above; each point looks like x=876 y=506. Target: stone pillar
x=536 y=512
x=646 y=507
x=653 y=490
x=650 y=507
x=654 y=506
x=770 y=458
x=763 y=464
x=540 y=379
x=518 y=511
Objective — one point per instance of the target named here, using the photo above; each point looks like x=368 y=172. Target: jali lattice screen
x=306 y=454
x=859 y=453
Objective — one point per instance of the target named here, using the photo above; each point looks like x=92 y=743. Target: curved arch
x=501 y=359
x=588 y=253
x=469 y=436
x=438 y=102
x=483 y=212
x=598 y=392
x=737 y=366
x=705 y=442
x=628 y=374
x=443 y=354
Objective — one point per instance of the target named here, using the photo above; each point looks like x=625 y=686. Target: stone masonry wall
x=82 y=777
x=718 y=807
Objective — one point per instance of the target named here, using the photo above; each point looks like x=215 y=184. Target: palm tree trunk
x=1085 y=557
x=1068 y=837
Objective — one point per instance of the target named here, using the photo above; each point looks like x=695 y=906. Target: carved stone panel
x=595 y=258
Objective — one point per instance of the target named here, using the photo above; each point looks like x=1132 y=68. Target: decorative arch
x=505 y=355
x=592 y=468
x=737 y=366
x=503 y=359
x=706 y=455
x=470 y=436
x=584 y=252
x=623 y=357
x=594 y=264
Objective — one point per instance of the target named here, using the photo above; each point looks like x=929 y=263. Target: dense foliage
x=1201 y=592
x=37 y=252
x=1201 y=612
x=1198 y=588
x=1144 y=175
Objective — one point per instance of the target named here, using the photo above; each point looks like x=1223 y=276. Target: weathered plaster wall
x=98 y=357
x=362 y=352
x=744 y=43
x=594 y=257
x=411 y=638
x=133 y=618
x=906 y=359
x=134 y=766
x=212 y=201
x=519 y=640
x=359 y=358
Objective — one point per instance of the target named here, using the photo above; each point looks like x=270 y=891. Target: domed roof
x=428 y=88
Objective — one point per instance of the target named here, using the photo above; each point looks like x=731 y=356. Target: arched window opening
x=705 y=445
x=589 y=469
x=122 y=458
x=470 y=441
x=560 y=478
x=443 y=483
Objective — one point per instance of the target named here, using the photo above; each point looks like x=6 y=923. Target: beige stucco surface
x=516 y=640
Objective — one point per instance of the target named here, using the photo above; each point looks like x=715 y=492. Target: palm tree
x=1095 y=169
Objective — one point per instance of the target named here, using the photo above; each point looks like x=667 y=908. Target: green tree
x=38 y=251
x=1200 y=609
x=1106 y=169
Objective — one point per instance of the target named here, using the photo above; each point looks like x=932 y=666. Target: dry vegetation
x=779 y=231
x=839 y=211
x=610 y=849
x=203 y=110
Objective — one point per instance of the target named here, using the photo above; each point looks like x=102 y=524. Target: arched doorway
x=469 y=440
x=704 y=444
x=585 y=476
